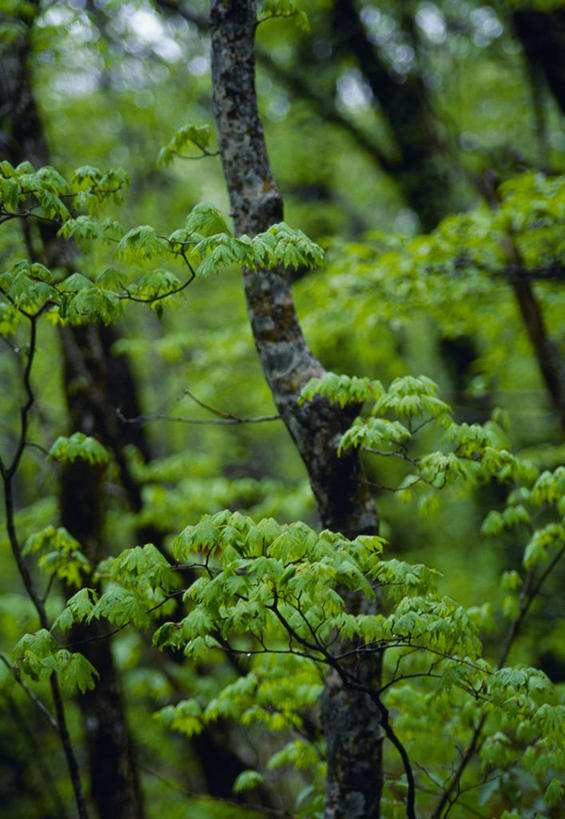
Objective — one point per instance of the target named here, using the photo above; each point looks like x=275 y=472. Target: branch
x=529 y=593
x=146 y=419
x=205 y=797
x=40 y=704
x=8 y=473
x=202 y=23
x=223 y=417
x=127 y=296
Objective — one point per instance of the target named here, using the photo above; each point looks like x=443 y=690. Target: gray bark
x=351 y=724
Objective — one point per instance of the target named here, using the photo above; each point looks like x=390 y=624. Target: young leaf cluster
x=187 y=136
x=38 y=656
x=58 y=553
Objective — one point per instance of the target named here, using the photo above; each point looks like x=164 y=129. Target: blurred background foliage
x=421 y=144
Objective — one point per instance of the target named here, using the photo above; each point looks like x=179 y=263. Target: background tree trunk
x=542 y=35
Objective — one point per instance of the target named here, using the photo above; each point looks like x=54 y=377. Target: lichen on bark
x=351 y=722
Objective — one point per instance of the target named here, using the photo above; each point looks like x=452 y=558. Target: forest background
x=419 y=146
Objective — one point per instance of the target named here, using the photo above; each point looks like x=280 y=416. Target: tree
x=318 y=634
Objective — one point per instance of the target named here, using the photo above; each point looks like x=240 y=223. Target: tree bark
x=114 y=779
x=542 y=35
x=351 y=724
x=546 y=352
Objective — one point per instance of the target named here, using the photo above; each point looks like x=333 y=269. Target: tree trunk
x=113 y=772
x=542 y=35
x=423 y=172
x=351 y=724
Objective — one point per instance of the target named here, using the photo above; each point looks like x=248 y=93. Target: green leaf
x=75 y=672
x=554 y=793
x=206 y=220
x=141 y=242
x=155 y=283
x=78 y=447
x=341 y=389
x=185 y=137
x=247 y=780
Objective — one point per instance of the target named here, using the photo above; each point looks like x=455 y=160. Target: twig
x=40 y=704
x=206 y=797
x=226 y=418
x=38 y=752
x=147 y=419
x=7 y=473
x=529 y=593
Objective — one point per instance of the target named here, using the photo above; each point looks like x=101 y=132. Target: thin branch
x=415 y=675
x=147 y=419
x=199 y=20
x=151 y=299
x=223 y=417
x=8 y=473
x=205 y=797
x=529 y=593
x=33 y=697
x=204 y=153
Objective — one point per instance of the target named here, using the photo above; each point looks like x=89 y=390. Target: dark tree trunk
x=423 y=171
x=542 y=35
x=548 y=357
x=352 y=727
x=113 y=771
x=546 y=351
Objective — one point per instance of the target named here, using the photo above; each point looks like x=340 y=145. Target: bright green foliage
x=458 y=276
x=58 y=553
x=37 y=656
x=206 y=220
x=204 y=245
x=185 y=137
x=140 y=580
x=26 y=287
x=341 y=389
x=94 y=186
x=284 y=8
x=278 y=245
x=477 y=451
x=78 y=447
x=47 y=190
x=78 y=608
x=84 y=227
x=141 y=242
x=275 y=594
x=247 y=780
